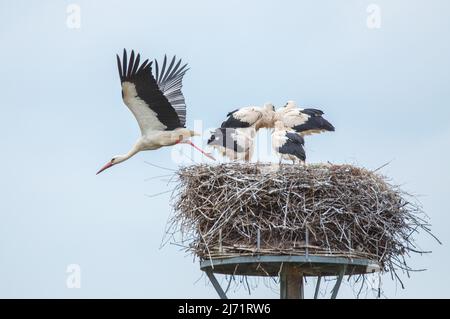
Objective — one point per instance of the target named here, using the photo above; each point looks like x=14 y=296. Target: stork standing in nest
x=235 y=138
x=288 y=144
x=303 y=121
x=157 y=103
x=251 y=116
x=233 y=143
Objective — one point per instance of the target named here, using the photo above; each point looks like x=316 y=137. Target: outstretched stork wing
x=170 y=82
x=243 y=117
x=142 y=95
x=305 y=121
x=315 y=123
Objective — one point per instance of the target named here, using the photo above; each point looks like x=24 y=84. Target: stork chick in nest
x=251 y=116
x=235 y=137
x=288 y=144
x=234 y=143
x=303 y=121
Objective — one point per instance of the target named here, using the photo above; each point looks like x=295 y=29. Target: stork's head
x=217 y=136
x=115 y=160
x=269 y=107
x=213 y=138
x=268 y=112
x=290 y=104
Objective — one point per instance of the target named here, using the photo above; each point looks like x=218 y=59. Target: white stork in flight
x=156 y=102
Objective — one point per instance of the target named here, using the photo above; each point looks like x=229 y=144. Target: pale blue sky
x=386 y=90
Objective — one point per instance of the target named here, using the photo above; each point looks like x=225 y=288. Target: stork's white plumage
x=251 y=116
x=242 y=124
x=234 y=143
x=288 y=144
x=157 y=103
x=303 y=121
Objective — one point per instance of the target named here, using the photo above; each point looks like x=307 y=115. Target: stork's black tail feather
x=314 y=124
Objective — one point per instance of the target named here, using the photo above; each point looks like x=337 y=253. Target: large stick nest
x=248 y=209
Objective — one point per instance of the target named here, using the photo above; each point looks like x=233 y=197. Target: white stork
x=156 y=102
x=288 y=144
x=234 y=139
x=251 y=116
x=234 y=143
x=303 y=121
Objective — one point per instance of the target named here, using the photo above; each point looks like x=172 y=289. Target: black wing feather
x=312 y=112
x=295 y=138
x=169 y=70
x=125 y=61
x=136 y=63
x=130 y=65
x=232 y=112
x=293 y=146
x=147 y=89
x=232 y=122
x=170 y=82
x=314 y=123
x=119 y=67
x=156 y=70
x=162 y=69
x=174 y=69
x=143 y=65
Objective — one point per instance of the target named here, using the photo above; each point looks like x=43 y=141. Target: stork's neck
x=135 y=149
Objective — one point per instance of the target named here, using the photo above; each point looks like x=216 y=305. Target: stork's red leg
x=199 y=149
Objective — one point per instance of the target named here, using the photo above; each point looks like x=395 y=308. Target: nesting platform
x=290 y=269
x=306 y=265
x=262 y=219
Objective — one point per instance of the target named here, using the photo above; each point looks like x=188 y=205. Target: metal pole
x=291 y=283
x=316 y=293
x=338 y=282
x=307 y=243
x=216 y=284
x=258 y=239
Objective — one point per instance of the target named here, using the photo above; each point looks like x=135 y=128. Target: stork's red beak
x=108 y=165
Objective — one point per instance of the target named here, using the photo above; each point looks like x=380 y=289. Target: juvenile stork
x=303 y=121
x=288 y=144
x=235 y=138
x=234 y=143
x=251 y=116
x=157 y=103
